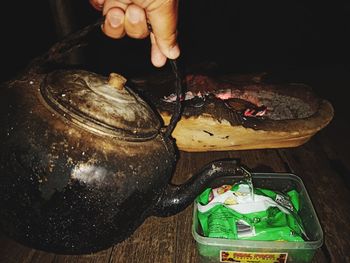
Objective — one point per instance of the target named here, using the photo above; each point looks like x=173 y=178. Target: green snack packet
x=231 y=212
x=219 y=223
x=203 y=198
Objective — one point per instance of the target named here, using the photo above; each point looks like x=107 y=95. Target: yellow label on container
x=252 y=257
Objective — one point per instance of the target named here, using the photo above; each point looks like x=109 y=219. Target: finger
x=135 y=22
x=114 y=23
x=162 y=15
x=113 y=10
x=110 y=4
x=97 y=4
x=157 y=57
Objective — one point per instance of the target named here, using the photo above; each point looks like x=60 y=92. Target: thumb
x=162 y=15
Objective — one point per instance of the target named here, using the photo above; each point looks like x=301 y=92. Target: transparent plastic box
x=244 y=251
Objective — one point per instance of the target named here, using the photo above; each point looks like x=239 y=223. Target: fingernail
x=134 y=17
x=100 y=2
x=115 y=20
x=174 y=52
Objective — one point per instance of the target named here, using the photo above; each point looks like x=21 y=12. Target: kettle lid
x=99 y=104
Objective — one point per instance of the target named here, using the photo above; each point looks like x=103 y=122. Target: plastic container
x=244 y=251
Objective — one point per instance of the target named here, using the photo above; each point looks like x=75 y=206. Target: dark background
x=291 y=39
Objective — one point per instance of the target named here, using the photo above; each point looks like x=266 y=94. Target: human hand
x=130 y=17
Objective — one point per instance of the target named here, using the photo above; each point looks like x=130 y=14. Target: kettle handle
x=178 y=91
x=178 y=105
x=176 y=198
x=63 y=47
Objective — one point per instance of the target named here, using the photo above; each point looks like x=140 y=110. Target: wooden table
x=323 y=163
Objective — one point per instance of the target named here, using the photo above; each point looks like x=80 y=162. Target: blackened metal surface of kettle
x=65 y=184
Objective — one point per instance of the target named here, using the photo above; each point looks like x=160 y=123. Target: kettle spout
x=177 y=197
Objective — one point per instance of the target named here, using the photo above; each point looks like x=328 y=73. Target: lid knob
x=116 y=81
